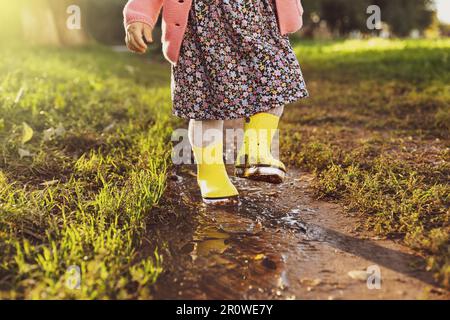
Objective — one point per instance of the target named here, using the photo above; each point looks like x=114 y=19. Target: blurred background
x=42 y=21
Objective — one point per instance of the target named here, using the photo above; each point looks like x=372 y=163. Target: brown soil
x=279 y=243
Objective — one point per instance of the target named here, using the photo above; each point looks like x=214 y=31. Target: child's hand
x=138 y=36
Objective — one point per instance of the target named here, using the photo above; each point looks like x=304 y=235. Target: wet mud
x=279 y=243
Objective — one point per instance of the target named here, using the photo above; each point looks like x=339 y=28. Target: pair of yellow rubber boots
x=254 y=161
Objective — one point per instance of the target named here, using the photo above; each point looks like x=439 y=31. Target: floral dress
x=234 y=62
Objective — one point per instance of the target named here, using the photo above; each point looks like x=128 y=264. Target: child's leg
x=255 y=160
x=206 y=138
x=277 y=111
x=206 y=132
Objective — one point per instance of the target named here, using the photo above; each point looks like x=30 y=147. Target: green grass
x=93 y=128
x=376 y=133
x=99 y=149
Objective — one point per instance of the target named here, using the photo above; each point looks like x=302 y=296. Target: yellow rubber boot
x=212 y=177
x=255 y=160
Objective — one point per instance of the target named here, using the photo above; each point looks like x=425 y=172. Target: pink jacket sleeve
x=145 y=11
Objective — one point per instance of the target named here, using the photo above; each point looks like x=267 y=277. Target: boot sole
x=226 y=201
x=265 y=174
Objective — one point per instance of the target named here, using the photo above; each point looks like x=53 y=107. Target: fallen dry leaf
x=27 y=133
x=358 y=275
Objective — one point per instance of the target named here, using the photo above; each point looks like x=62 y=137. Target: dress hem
x=303 y=95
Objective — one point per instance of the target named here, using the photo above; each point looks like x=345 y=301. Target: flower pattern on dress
x=234 y=62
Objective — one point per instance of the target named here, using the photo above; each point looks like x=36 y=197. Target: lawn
x=84 y=153
x=84 y=144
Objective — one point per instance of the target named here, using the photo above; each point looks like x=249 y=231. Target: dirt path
x=279 y=243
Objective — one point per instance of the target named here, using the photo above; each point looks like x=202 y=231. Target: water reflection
x=260 y=249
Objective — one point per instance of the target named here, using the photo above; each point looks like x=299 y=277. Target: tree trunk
x=38 y=23
x=45 y=22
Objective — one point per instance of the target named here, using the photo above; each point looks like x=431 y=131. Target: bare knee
x=204 y=132
x=277 y=111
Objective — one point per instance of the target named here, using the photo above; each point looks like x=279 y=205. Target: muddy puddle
x=279 y=243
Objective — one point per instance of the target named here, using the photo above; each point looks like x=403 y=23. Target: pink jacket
x=175 y=18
